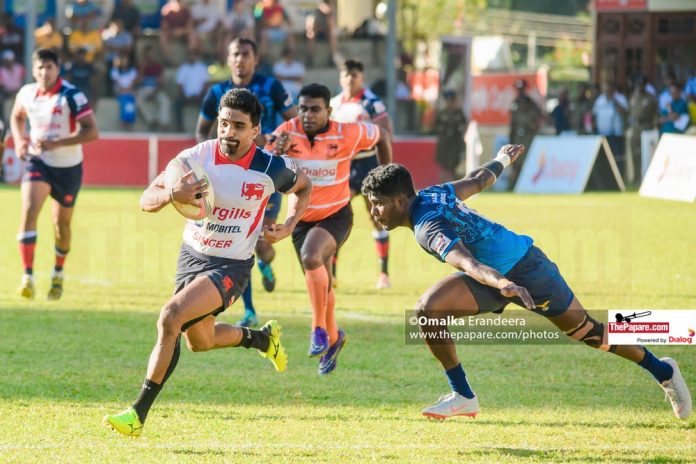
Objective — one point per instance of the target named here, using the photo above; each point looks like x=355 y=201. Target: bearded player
x=216 y=258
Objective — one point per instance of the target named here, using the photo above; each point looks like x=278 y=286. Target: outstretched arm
x=483 y=177
x=460 y=258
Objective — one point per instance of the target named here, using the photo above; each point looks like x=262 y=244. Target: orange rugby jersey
x=327 y=161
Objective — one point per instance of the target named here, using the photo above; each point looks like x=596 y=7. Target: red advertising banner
x=492 y=95
x=133 y=160
x=620 y=5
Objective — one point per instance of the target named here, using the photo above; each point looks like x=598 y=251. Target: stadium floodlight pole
x=29 y=26
x=391 y=60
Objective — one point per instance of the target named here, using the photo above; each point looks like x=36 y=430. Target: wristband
x=503 y=158
x=495 y=167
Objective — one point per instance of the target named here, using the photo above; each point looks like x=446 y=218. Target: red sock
x=27 y=244
x=60 y=258
x=382 y=244
x=317 y=287
x=331 y=326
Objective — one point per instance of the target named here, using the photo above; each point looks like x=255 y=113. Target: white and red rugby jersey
x=54 y=114
x=241 y=191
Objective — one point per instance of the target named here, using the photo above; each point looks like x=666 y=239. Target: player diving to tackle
x=216 y=258
x=496 y=267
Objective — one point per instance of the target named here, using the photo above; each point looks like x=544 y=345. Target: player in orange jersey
x=323 y=149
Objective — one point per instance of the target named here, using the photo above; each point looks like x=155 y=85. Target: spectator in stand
x=11 y=37
x=690 y=95
x=581 y=111
x=290 y=72
x=117 y=41
x=191 y=79
x=206 y=24
x=219 y=70
x=11 y=79
x=450 y=126
x=125 y=77
x=129 y=16
x=83 y=11
x=176 y=24
x=561 y=113
x=675 y=117
x=609 y=110
x=274 y=26
x=525 y=119
x=665 y=97
x=82 y=74
x=46 y=36
x=238 y=23
x=89 y=39
x=321 y=27
x=642 y=116
x=153 y=102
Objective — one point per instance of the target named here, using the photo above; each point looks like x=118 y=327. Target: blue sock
x=246 y=297
x=457 y=380
x=659 y=369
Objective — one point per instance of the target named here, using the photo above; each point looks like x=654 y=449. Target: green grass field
x=65 y=364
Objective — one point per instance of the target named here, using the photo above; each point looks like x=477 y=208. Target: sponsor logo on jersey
x=80 y=99
x=252 y=190
x=223 y=229
x=321 y=173
x=211 y=242
x=441 y=243
x=232 y=213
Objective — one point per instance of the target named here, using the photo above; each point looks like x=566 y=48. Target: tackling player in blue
x=242 y=58
x=496 y=267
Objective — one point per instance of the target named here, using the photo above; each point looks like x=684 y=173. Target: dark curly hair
x=389 y=180
x=245 y=101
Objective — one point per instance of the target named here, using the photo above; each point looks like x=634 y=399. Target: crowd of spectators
x=621 y=118
x=112 y=55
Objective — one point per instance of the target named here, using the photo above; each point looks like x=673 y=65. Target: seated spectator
x=176 y=24
x=238 y=23
x=46 y=36
x=117 y=40
x=125 y=77
x=11 y=37
x=675 y=117
x=289 y=72
x=274 y=24
x=219 y=70
x=129 y=16
x=80 y=11
x=206 y=24
x=11 y=79
x=82 y=74
x=150 y=92
x=321 y=27
x=89 y=39
x=191 y=79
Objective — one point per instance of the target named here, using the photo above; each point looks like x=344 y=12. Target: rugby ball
x=176 y=169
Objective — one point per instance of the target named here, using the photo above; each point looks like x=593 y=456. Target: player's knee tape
x=592 y=333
